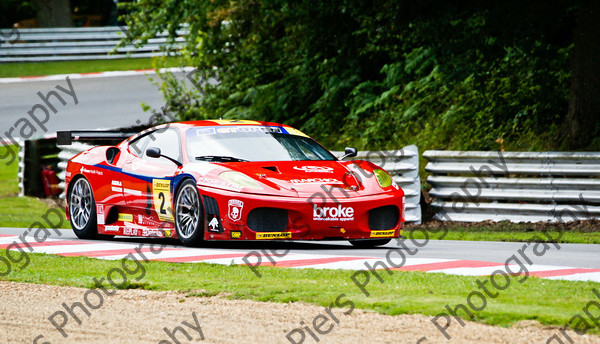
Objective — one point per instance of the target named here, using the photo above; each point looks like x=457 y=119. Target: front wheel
x=369 y=243
x=189 y=214
x=82 y=209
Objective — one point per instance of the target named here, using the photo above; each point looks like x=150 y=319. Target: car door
x=147 y=181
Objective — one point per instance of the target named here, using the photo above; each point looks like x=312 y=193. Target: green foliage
x=380 y=74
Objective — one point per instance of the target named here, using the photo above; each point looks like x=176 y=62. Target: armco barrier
x=403 y=165
x=515 y=186
x=66 y=153
x=60 y=44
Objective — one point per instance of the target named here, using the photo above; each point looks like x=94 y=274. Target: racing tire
x=189 y=214
x=369 y=243
x=82 y=209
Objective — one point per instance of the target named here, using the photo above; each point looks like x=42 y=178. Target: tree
x=581 y=125
x=439 y=73
x=53 y=13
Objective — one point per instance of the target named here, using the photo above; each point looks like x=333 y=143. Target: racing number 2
x=161 y=193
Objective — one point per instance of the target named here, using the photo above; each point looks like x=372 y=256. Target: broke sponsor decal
x=274 y=235
x=314 y=169
x=235 y=209
x=338 y=213
x=382 y=234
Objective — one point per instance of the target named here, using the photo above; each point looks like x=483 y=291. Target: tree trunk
x=53 y=13
x=581 y=124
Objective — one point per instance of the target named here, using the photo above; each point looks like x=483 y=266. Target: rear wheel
x=82 y=209
x=189 y=214
x=369 y=243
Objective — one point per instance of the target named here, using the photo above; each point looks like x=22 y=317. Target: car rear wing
x=67 y=137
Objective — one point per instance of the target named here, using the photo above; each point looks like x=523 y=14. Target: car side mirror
x=153 y=152
x=350 y=152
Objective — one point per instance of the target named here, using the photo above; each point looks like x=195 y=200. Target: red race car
x=228 y=180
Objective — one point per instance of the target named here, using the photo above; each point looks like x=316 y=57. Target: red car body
x=134 y=194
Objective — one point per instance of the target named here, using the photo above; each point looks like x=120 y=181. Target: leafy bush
x=382 y=74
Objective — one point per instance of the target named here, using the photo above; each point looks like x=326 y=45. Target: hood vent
x=272 y=168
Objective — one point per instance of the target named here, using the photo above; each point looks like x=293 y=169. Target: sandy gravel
x=138 y=316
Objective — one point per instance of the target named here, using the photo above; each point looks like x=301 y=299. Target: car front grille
x=385 y=217
x=268 y=219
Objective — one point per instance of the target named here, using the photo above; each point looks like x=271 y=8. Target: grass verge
x=18 y=69
x=577 y=232
x=551 y=302
x=16 y=211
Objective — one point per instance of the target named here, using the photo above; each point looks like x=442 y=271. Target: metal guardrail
x=61 y=44
x=403 y=166
x=514 y=186
x=66 y=153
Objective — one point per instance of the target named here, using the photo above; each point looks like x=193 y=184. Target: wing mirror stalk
x=350 y=152
x=154 y=152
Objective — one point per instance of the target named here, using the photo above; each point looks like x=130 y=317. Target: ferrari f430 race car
x=229 y=180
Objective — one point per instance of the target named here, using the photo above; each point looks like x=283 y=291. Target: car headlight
x=240 y=179
x=383 y=178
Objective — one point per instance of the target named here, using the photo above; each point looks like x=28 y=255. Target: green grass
x=587 y=232
x=17 y=69
x=16 y=211
x=9 y=183
x=23 y=212
x=551 y=302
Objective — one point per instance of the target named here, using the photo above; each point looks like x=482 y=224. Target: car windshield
x=251 y=143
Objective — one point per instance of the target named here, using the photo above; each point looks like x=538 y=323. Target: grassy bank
x=582 y=232
x=551 y=302
x=19 y=211
x=17 y=69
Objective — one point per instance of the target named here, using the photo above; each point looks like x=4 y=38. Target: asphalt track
x=115 y=101
x=569 y=261
x=103 y=102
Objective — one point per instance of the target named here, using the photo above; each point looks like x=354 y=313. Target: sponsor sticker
x=130 y=231
x=274 y=235
x=111 y=228
x=314 y=169
x=338 y=213
x=315 y=181
x=214 y=225
x=126 y=217
x=152 y=233
x=381 y=234
x=249 y=129
x=161 y=194
x=100 y=214
x=235 y=209
x=85 y=170
x=236 y=234
x=168 y=233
